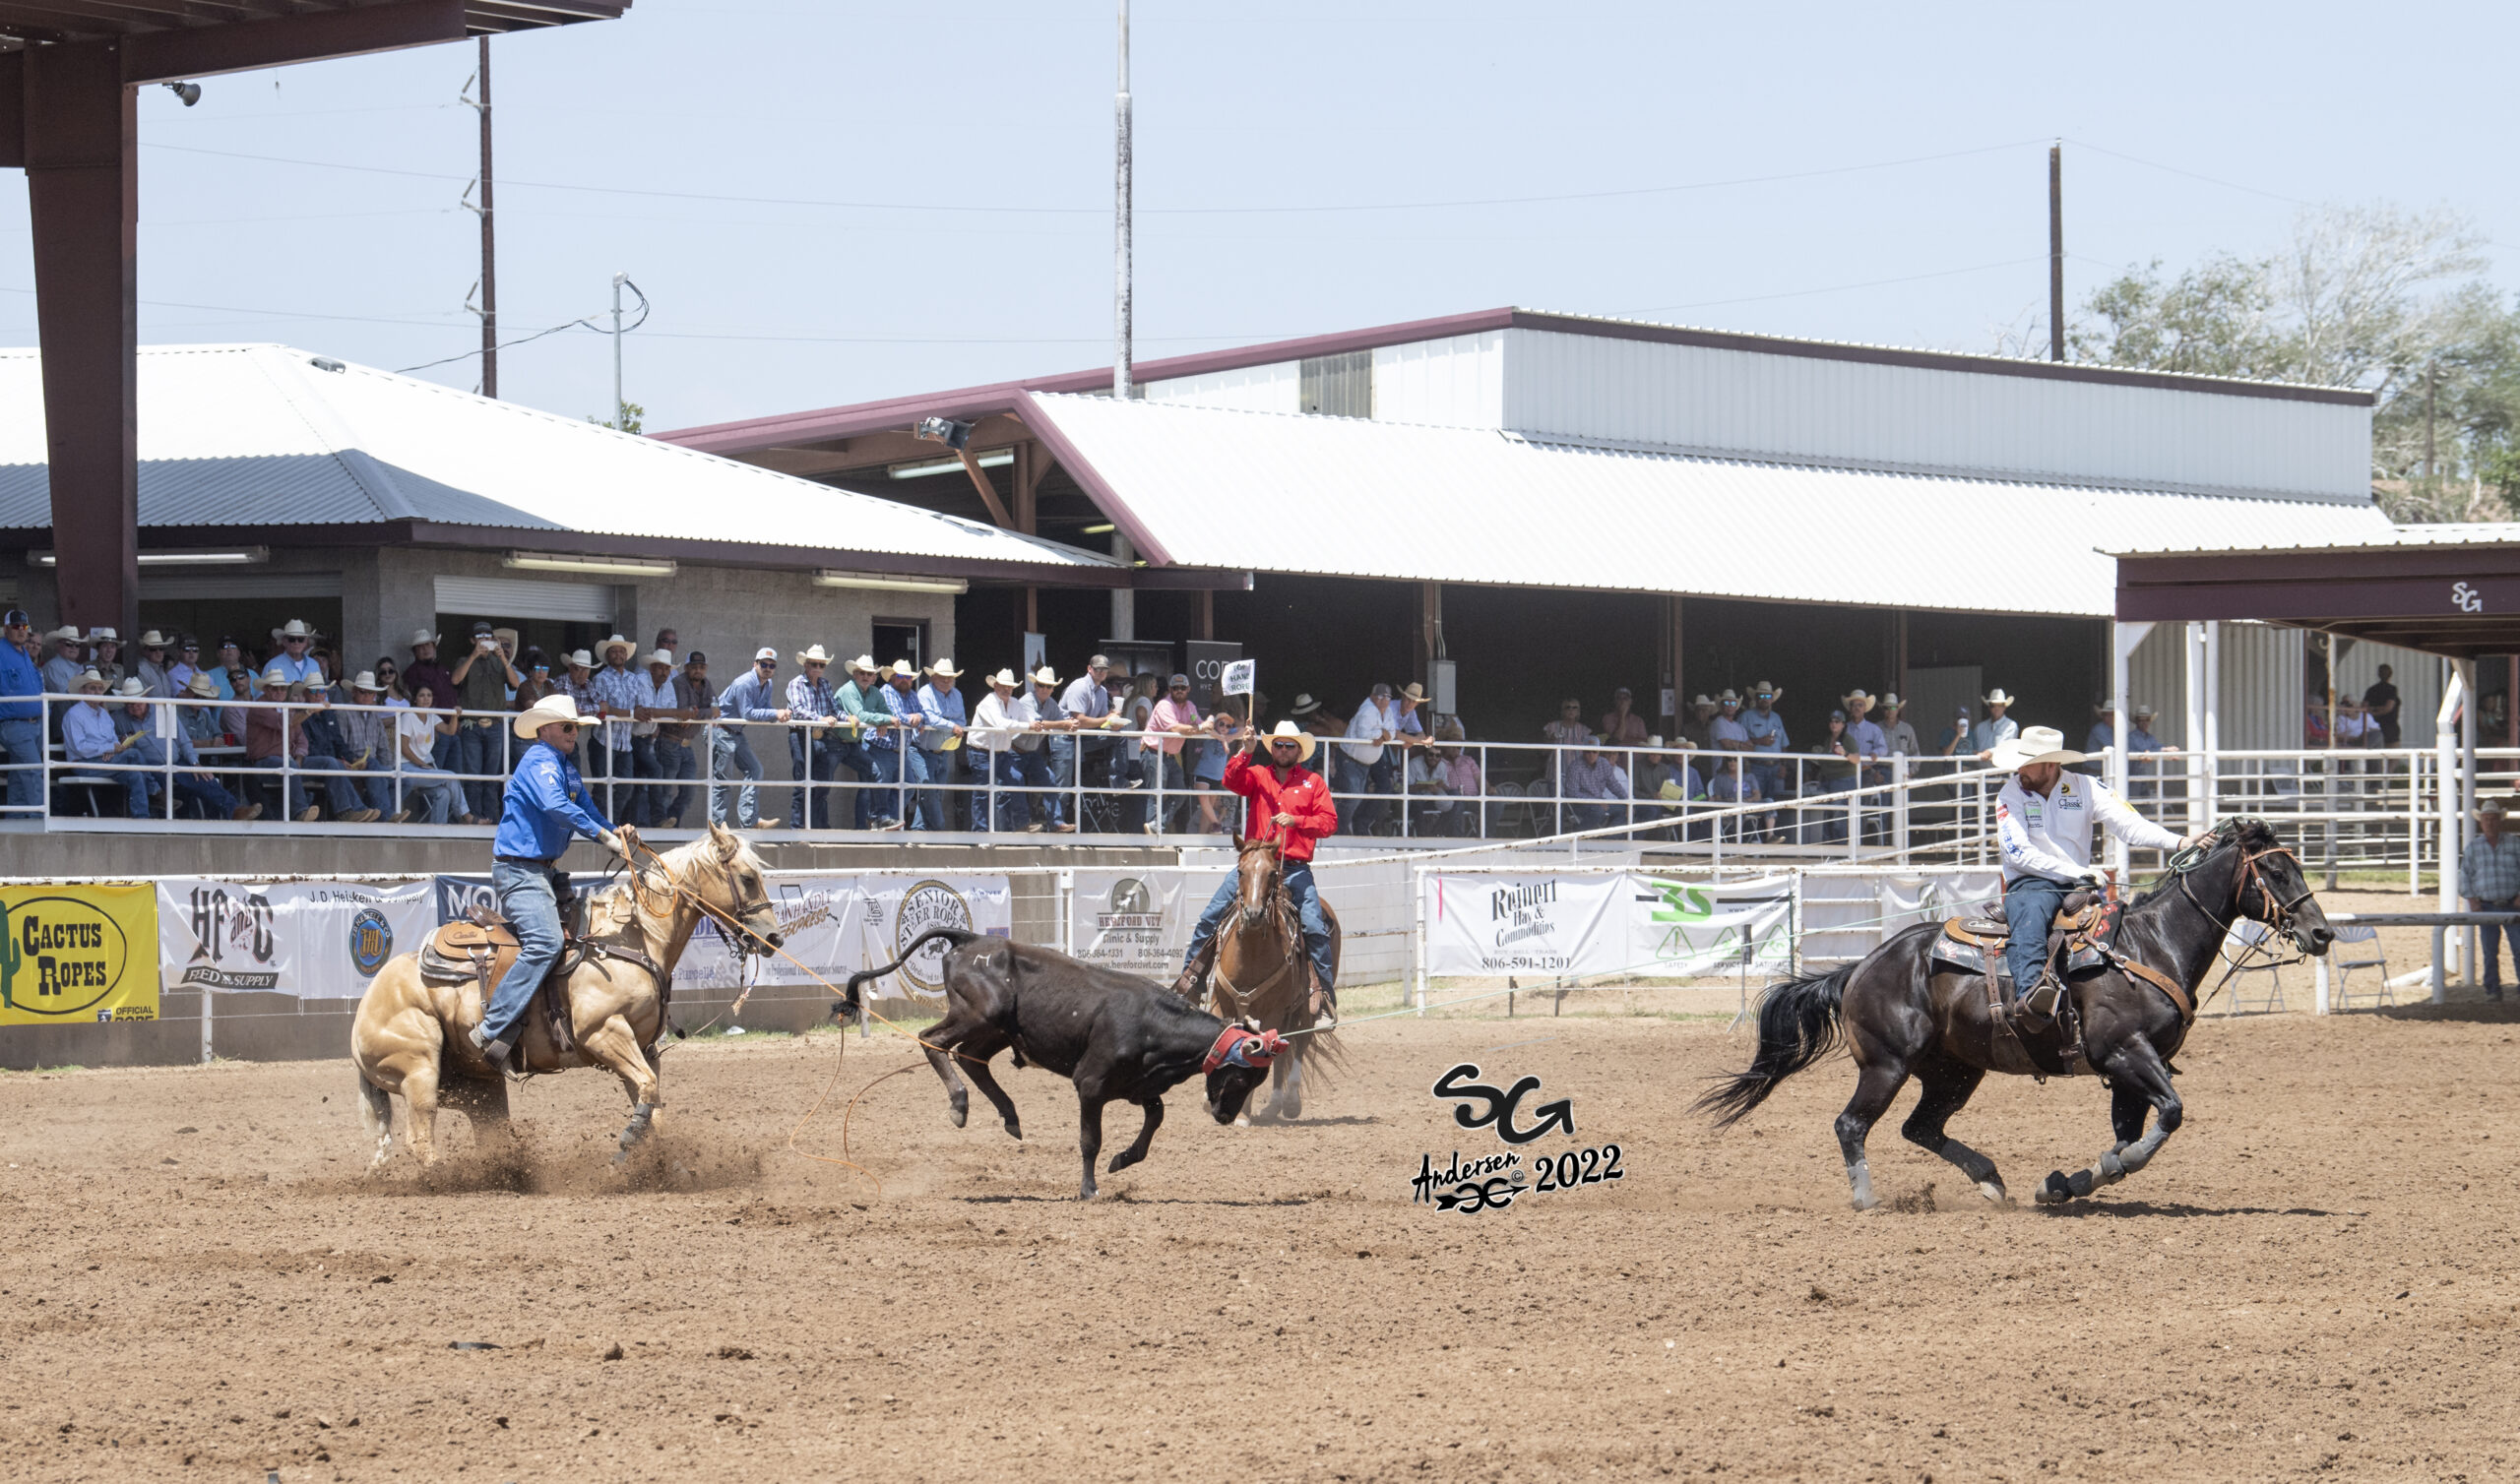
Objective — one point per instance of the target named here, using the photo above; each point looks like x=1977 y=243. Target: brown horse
x=1261 y=976
x=413 y=1037
x=1905 y=1015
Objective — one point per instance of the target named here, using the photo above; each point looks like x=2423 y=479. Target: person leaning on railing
x=751 y=697
x=21 y=715
x=865 y=707
x=1049 y=728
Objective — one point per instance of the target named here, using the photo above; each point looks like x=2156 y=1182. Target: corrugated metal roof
x=1204 y=486
x=259 y=435
x=2386 y=538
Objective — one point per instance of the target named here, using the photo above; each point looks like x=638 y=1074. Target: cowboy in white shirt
x=1361 y=765
x=2044 y=820
x=995 y=725
x=1996 y=729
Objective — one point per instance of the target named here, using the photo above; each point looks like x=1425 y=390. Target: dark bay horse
x=1261 y=977
x=1903 y=1015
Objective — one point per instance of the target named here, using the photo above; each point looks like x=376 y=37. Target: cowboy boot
x=1325 y=1001
x=1192 y=986
x=2038 y=1006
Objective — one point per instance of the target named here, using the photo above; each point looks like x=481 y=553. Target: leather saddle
x=479 y=950
x=2082 y=941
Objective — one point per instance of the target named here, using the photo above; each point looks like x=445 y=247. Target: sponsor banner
x=1684 y=929
x=457 y=896
x=1138 y=922
x=1538 y=924
x=316 y=940
x=893 y=910
x=1486 y=924
x=77 y=955
x=818 y=925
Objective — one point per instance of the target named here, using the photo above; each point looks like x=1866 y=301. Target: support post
x=83 y=197
x=2192 y=640
x=2122 y=639
x=2447 y=787
x=1123 y=330
x=2056 y=252
x=490 y=250
x=2213 y=740
x=2467 y=800
x=1124 y=600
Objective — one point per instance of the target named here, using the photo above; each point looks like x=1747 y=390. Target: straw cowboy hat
x=365 y=680
x=1729 y=698
x=2143 y=713
x=1771 y=692
x=664 y=657
x=276 y=676
x=1005 y=678
x=1996 y=697
x=580 y=659
x=2036 y=744
x=132 y=689
x=1305 y=705
x=103 y=637
x=1858 y=694
x=864 y=664
x=424 y=636
x=153 y=639
x=944 y=668
x=296 y=628
x=896 y=667
x=88 y=678
x=542 y=714
x=1301 y=738
x=1704 y=700
x=1412 y=691
x=1889 y=702
x=203 y=685
x=616 y=642
x=1045 y=676
x=66 y=633
x=813 y=655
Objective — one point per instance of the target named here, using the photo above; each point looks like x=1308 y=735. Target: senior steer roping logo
x=928 y=904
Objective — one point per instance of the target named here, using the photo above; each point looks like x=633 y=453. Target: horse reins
x=2281 y=913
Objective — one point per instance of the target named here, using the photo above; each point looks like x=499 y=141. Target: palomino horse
x=1902 y=1014
x=413 y=1037
x=1260 y=976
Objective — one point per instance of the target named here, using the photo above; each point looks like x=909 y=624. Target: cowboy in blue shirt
x=546 y=803
x=21 y=719
x=1767 y=735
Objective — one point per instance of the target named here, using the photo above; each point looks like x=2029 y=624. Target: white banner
x=818 y=926
x=892 y=910
x=1683 y=929
x=1138 y=921
x=1498 y=925
x=316 y=940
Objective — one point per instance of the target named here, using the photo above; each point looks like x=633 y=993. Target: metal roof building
x=1728 y=506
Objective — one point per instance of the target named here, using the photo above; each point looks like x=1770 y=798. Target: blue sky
x=829 y=201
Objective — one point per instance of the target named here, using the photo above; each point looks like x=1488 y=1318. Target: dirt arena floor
x=2316 y=1277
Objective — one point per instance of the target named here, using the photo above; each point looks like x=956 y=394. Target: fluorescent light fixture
x=1104 y=529
x=881 y=582
x=232 y=556
x=999 y=459
x=600 y=566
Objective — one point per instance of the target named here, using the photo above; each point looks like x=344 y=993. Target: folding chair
x=2252 y=934
x=2341 y=971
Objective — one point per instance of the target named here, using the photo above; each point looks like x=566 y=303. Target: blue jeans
x=21 y=746
x=902 y=767
x=2031 y=905
x=1297 y=875
x=862 y=800
x=529 y=899
x=202 y=789
x=1347 y=777
x=431 y=793
x=1037 y=769
x=732 y=757
x=2489 y=942
x=1013 y=812
x=479 y=749
x=673 y=764
x=621 y=800
x=940 y=769
x=338 y=792
x=378 y=787
x=812 y=761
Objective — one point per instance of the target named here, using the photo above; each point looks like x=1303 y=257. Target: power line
x=1195 y=210
x=1795 y=293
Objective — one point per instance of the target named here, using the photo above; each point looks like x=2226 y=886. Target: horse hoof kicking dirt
x=413 y=1036
x=1904 y=1015
x=1117 y=1037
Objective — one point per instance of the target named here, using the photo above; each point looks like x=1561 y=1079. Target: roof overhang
x=2459 y=600
x=160 y=40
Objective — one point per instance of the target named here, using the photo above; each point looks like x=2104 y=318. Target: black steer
x=1117 y=1037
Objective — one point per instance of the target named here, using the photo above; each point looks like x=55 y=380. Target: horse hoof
x=1993 y=1189
x=959 y=1112
x=2057 y=1191
x=1014 y=1130
x=1865 y=1202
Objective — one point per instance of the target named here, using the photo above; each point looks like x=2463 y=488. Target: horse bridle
x=2281 y=913
x=1240 y=997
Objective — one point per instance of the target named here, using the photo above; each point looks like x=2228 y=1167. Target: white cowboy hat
x=578 y=660
x=1704 y=700
x=1856 y=695
x=1045 y=676
x=1727 y=698
x=663 y=658
x=274 y=676
x=1305 y=705
x=132 y=689
x=616 y=642
x=88 y=678
x=899 y=667
x=1302 y=739
x=2036 y=744
x=424 y=636
x=542 y=714
x=1996 y=697
x=1774 y=693
x=1890 y=701
x=296 y=628
x=1005 y=678
x=153 y=639
x=944 y=666
x=66 y=633
x=2141 y=710
x=864 y=664
x=2110 y=706
x=813 y=655
x=103 y=636
x=365 y=680
x=203 y=685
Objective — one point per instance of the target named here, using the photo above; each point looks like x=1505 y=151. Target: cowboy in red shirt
x=1289 y=804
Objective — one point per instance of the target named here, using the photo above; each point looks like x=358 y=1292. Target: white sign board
x=316 y=940
x=1608 y=923
x=1238 y=677
x=1138 y=921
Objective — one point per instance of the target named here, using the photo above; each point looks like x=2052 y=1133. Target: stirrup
x=2040 y=1003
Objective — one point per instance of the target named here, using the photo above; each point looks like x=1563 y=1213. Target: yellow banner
x=77 y=955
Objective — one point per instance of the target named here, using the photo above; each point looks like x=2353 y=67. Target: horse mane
x=617 y=905
x=2247 y=831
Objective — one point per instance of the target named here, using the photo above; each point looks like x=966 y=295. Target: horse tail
x=954 y=938
x=375 y=1109
x=1798 y=1023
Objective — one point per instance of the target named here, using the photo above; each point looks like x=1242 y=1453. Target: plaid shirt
x=2489 y=869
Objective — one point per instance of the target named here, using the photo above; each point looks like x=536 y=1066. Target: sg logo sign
x=2466 y=600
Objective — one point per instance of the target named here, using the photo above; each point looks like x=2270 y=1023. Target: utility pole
x=489 y=244
x=620 y=417
x=2054 y=250
x=2430 y=377
x=1121 y=330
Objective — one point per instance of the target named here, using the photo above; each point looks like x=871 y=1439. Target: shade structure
x=2450 y=590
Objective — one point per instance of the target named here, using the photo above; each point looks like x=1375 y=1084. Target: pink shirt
x=1165 y=713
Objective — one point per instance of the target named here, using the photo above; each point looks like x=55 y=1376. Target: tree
x=631 y=420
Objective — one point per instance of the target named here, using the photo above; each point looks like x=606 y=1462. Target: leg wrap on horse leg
x=640 y=1115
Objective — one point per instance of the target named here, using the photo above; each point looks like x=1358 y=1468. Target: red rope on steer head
x=1237 y=1047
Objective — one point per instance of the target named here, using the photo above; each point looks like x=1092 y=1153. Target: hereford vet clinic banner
x=77 y=955
x=1138 y=921
x=313 y=939
x=1612 y=922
